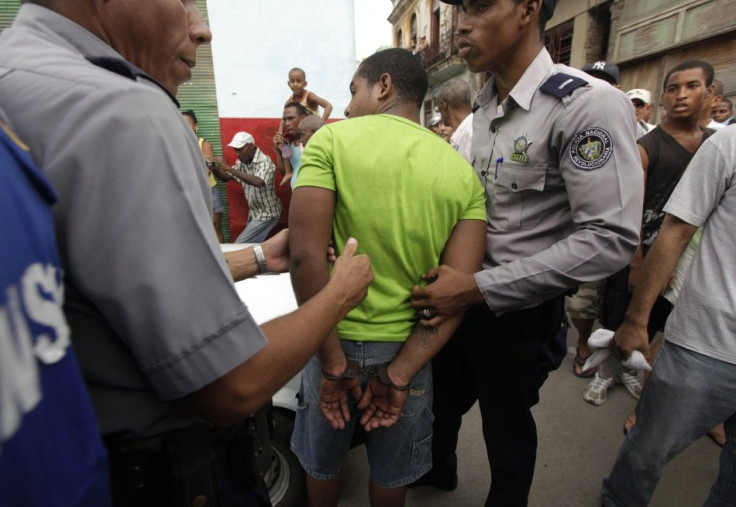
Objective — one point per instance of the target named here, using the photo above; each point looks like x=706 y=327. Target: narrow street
x=578 y=443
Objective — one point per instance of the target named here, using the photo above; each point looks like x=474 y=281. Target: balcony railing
x=433 y=54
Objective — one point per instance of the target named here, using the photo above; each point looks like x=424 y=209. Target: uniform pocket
x=518 y=199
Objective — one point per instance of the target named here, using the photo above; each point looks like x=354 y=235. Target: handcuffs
x=353 y=369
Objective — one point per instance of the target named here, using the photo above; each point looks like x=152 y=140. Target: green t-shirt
x=400 y=190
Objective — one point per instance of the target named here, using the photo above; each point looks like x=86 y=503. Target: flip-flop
x=629 y=422
x=577 y=366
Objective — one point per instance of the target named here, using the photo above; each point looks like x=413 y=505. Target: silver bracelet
x=260 y=259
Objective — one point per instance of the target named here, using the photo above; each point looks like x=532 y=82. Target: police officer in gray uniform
x=163 y=339
x=556 y=152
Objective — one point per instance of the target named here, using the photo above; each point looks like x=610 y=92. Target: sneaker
x=631 y=383
x=597 y=391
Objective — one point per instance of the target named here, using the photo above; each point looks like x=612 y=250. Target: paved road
x=577 y=447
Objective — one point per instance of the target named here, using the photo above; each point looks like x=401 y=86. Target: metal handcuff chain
x=353 y=369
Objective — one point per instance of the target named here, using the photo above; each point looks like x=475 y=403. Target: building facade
x=427 y=28
x=645 y=39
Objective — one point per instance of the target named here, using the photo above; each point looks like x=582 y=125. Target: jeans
x=397 y=455
x=686 y=395
x=256 y=230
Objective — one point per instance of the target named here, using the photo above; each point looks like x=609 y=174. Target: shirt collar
x=523 y=91
x=257 y=156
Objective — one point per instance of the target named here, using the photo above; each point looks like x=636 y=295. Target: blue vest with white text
x=51 y=453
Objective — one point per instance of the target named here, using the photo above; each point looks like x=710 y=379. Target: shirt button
x=493 y=129
x=514 y=186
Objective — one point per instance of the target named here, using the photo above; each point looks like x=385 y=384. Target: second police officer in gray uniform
x=555 y=150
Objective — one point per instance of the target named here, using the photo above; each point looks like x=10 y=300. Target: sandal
x=629 y=423
x=577 y=366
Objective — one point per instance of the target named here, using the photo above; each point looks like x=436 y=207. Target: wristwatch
x=260 y=259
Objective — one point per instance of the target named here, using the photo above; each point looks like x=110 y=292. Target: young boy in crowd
x=311 y=101
x=299 y=93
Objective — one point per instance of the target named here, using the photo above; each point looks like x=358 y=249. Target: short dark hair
x=706 y=67
x=298 y=69
x=728 y=101
x=456 y=92
x=406 y=71
x=191 y=114
x=300 y=109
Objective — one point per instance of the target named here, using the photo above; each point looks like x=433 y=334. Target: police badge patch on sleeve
x=591 y=148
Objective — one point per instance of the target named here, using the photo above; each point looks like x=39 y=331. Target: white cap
x=241 y=139
x=434 y=120
x=641 y=94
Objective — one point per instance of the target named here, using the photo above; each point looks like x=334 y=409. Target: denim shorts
x=397 y=455
x=217 y=204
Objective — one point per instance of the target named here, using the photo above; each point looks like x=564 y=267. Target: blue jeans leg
x=256 y=230
x=686 y=395
x=723 y=491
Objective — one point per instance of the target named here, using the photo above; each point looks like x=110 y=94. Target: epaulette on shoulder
x=561 y=85
x=126 y=69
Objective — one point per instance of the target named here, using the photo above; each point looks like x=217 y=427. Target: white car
x=268 y=297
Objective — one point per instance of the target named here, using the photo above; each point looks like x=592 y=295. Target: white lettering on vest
x=37 y=298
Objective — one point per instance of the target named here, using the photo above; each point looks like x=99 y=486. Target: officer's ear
x=709 y=92
x=531 y=10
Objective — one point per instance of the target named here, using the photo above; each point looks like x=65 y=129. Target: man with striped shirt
x=256 y=172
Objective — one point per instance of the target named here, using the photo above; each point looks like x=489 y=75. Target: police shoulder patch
x=591 y=148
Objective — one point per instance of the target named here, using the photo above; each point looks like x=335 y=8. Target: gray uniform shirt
x=152 y=307
x=564 y=186
x=703 y=319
